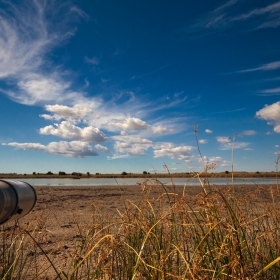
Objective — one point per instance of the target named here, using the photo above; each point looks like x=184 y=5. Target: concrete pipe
x=16 y=200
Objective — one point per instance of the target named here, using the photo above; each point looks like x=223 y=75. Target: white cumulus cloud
x=69 y=149
x=51 y=117
x=75 y=112
x=214 y=162
x=159 y=129
x=132 y=149
x=208 y=131
x=271 y=113
x=180 y=152
x=277 y=128
x=70 y=131
x=102 y=148
x=129 y=124
x=131 y=145
x=223 y=139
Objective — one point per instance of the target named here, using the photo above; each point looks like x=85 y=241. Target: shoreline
x=238 y=185
x=186 y=175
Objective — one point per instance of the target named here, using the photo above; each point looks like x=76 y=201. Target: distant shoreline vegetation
x=144 y=174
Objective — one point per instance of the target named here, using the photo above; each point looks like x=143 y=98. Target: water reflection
x=133 y=181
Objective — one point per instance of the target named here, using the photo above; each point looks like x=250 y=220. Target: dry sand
x=61 y=212
x=61 y=209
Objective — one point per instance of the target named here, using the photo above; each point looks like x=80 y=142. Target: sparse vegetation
x=78 y=174
x=226 y=174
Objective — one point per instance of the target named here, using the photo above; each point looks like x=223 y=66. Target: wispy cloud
x=270 y=92
x=237 y=145
x=19 y=54
x=26 y=35
x=132 y=139
x=62 y=148
x=149 y=73
x=214 y=19
x=271 y=12
x=203 y=141
x=39 y=89
x=226 y=143
x=230 y=111
x=169 y=102
x=229 y=14
x=94 y=60
x=249 y=132
x=265 y=67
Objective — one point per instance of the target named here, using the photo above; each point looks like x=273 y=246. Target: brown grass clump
x=168 y=234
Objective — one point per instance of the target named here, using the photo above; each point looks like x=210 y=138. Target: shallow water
x=133 y=181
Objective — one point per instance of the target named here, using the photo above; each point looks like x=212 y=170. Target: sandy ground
x=61 y=209
x=61 y=212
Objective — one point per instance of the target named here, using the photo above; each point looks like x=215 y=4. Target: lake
x=133 y=181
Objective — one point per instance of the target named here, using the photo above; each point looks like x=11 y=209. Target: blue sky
x=111 y=86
